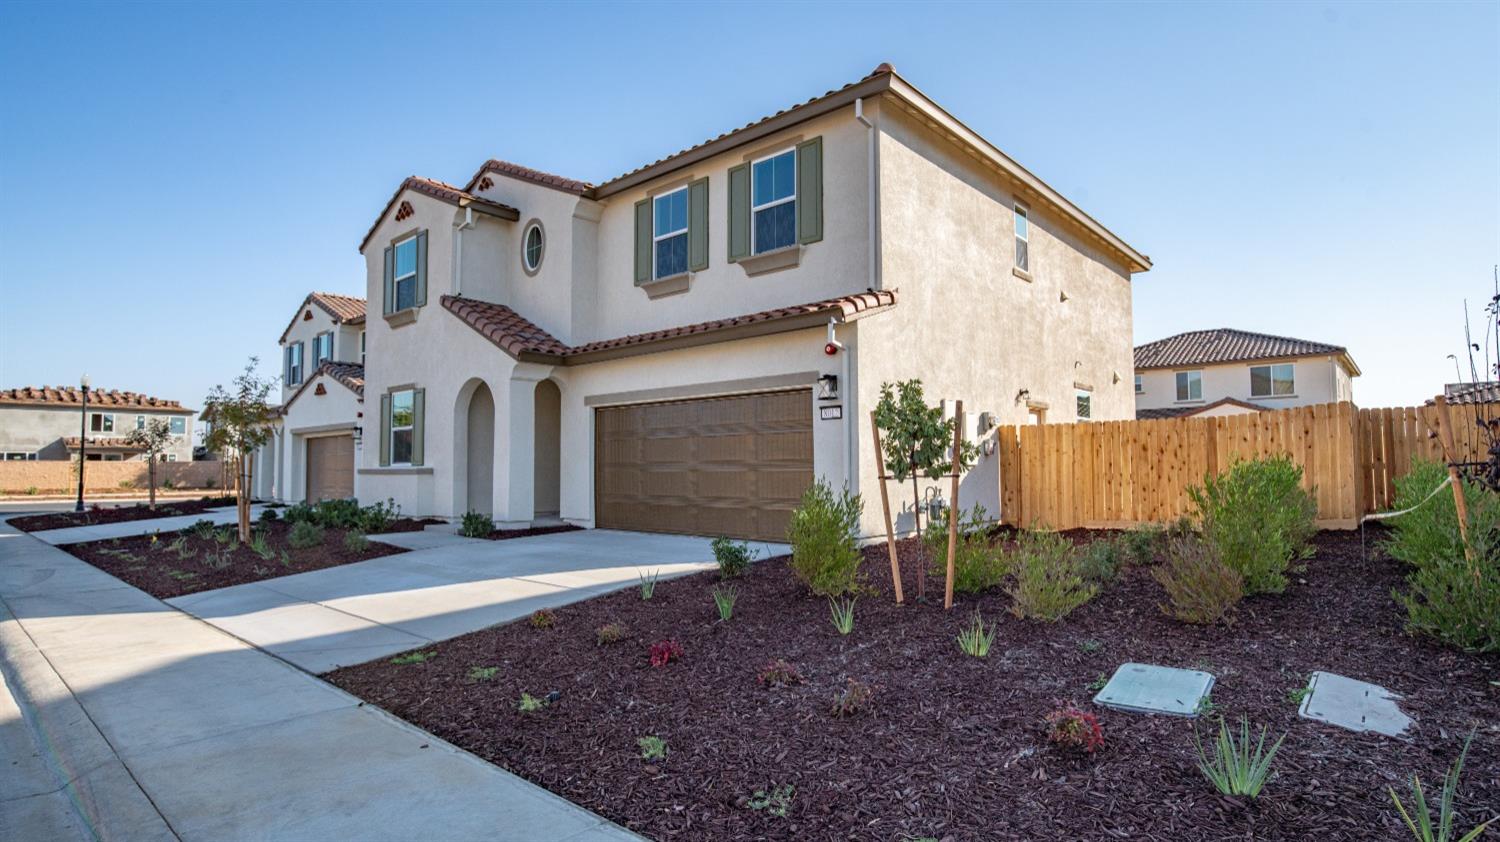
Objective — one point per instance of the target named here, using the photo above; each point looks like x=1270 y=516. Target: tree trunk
x=242 y=502
x=151 y=480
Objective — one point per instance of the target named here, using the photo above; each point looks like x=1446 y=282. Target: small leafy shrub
x=203 y=529
x=1089 y=646
x=476 y=525
x=377 y=518
x=652 y=748
x=127 y=484
x=32 y=491
x=1047 y=585
x=1100 y=561
x=530 y=703
x=543 y=618
x=180 y=546
x=1259 y=519
x=1422 y=828
x=776 y=802
x=609 y=633
x=778 y=673
x=975 y=640
x=268 y=515
x=978 y=564
x=305 y=534
x=168 y=484
x=843 y=614
x=724 y=598
x=355 y=541
x=1142 y=543
x=855 y=697
x=1074 y=730
x=413 y=658
x=648 y=584
x=664 y=652
x=337 y=514
x=298 y=513
x=1237 y=768
x=482 y=673
x=734 y=557
x=1201 y=589
x=226 y=536
x=261 y=545
x=825 y=556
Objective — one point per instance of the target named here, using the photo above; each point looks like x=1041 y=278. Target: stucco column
x=515 y=448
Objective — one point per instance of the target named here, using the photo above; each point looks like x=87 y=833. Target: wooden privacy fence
x=1120 y=473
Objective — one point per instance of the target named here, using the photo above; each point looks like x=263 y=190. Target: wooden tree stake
x=1445 y=439
x=885 y=504
x=958 y=442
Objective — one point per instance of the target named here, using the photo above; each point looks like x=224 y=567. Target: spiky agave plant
x=1422 y=828
x=1237 y=767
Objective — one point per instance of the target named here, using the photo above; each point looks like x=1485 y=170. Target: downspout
x=458 y=250
x=872 y=237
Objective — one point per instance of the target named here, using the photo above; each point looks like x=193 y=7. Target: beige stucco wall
x=965 y=324
x=1316 y=379
x=41 y=430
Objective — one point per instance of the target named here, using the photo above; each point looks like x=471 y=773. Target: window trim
x=1271 y=379
x=397 y=279
x=1083 y=395
x=106 y=422
x=361 y=349
x=536 y=225
x=754 y=208
x=318 y=340
x=1019 y=210
x=172 y=422
x=656 y=239
x=294 y=349
x=1177 y=392
x=1140 y=385
x=391 y=431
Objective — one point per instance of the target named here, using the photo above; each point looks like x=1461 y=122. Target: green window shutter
x=389 y=299
x=422 y=267
x=810 y=190
x=286 y=366
x=385 y=429
x=418 y=410
x=698 y=225
x=739 y=212
x=643 y=241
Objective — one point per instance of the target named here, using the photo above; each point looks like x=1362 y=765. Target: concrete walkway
x=123 y=718
x=354 y=613
x=131 y=528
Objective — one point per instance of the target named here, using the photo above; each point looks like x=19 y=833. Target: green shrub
x=1237 y=767
x=338 y=514
x=1259 y=518
x=305 y=534
x=168 y=484
x=1100 y=561
x=127 y=484
x=734 y=557
x=1142 y=543
x=1047 y=584
x=976 y=639
x=724 y=599
x=476 y=525
x=378 y=517
x=824 y=554
x=261 y=545
x=203 y=528
x=978 y=564
x=1200 y=587
x=32 y=491
x=298 y=513
x=355 y=541
x=268 y=515
x=1422 y=828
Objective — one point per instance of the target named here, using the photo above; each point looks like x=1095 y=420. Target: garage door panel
x=330 y=467
x=733 y=466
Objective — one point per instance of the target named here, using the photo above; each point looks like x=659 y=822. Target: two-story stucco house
x=47 y=423
x=685 y=347
x=311 y=454
x=1228 y=372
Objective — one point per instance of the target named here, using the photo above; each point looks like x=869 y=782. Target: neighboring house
x=1483 y=391
x=685 y=347
x=1229 y=372
x=45 y=423
x=311 y=454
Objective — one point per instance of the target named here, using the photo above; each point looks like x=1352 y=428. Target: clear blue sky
x=175 y=177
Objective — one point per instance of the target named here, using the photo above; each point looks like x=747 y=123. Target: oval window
x=533 y=247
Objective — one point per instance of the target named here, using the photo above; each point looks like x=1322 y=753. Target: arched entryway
x=479 y=452
x=547 y=463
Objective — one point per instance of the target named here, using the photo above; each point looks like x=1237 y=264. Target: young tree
x=240 y=422
x=917 y=440
x=154 y=439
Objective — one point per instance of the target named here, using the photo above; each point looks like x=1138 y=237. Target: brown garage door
x=330 y=467
x=718 y=466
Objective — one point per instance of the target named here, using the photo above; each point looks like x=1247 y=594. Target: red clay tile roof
x=1187 y=411
x=1226 y=345
x=519 y=337
x=1487 y=391
x=345 y=309
x=557 y=182
x=70 y=396
x=443 y=191
x=351 y=375
x=71 y=443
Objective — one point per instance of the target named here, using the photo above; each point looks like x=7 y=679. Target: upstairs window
x=1190 y=385
x=322 y=349
x=293 y=366
x=1272 y=381
x=532 y=247
x=773 y=202
x=178 y=425
x=1085 y=402
x=403 y=424
x=102 y=422
x=404 y=280
x=669 y=242
x=140 y=422
x=1140 y=388
x=1023 y=236
x=361 y=348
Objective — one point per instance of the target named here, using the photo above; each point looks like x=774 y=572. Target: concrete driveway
x=445 y=587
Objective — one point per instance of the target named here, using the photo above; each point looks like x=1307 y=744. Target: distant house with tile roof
x=1226 y=372
x=52 y=423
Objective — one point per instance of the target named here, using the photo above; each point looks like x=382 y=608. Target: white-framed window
x=403 y=424
x=294 y=364
x=322 y=348
x=532 y=245
x=1140 y=388
x=773 y=202
x=102 y=422
x=404 y=281
x=19 y=456
x=140 y=422
x=669 y=233
x=170 y=457
x=1272 y=381
x=361 y=348
x=1190 y=385
x=178 y=425
x=1085 y=400
x=1023 y=237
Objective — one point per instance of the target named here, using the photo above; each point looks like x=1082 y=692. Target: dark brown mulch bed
x=119 y=514
x=410 y=524
x=154 y=564
x=953 y=747
x=504 y=534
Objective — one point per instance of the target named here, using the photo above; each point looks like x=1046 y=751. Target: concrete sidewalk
x=446 y=586
x=131 y=528
x=124 y=718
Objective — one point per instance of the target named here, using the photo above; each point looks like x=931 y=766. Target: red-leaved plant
x=1074 y=730
x=779 y=673
x=665 y=652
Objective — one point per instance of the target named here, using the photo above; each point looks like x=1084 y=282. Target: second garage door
x=732 y=466
x=330 y=468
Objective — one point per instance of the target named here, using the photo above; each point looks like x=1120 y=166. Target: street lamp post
x=83 y=440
